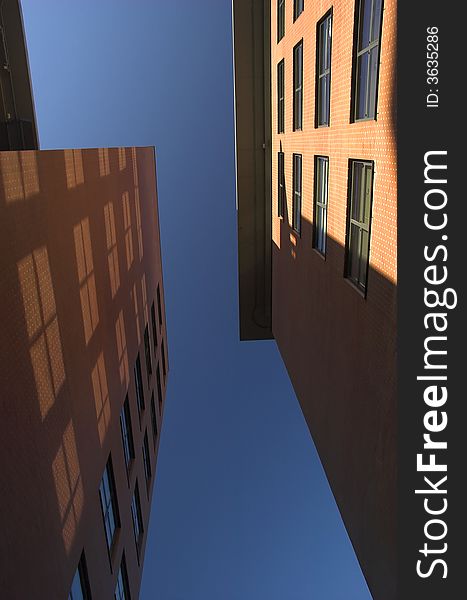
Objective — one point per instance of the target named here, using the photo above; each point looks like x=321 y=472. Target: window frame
x=281 y=185
x=155 y=431
x=123 y=575
x=297 y=224
x=135 y=507
x=280 y=19
x=147 y=460
x=354 y=118
x=83 y=578
x=154 y=327
x=320 y=204
x=325 y=74
x=127 y=435
x=281 y=96
x=298 y=8
x=147 y=354
x=138 y=376
x=297 y=124
x=356 y=283
x=159 y=388
x=108 y=471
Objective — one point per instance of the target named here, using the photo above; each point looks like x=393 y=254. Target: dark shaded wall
x=80 y=264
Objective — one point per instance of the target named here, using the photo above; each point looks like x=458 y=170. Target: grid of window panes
x=139 y=384
x=122 y=588
x=109 y=504
x=147 y=352
x=280 y=96
x=297 y=8
x=136 y=515
x=297 y=192
x=358 y=228
x=297 y=86
x=280 y=19
x=321 y=203
x=369 y=22
x=280 y=185
x=323 y=92
x=127 y=436
x=146 y=459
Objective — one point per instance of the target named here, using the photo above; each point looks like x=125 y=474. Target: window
x=357 y=246
x=80 y=589
x=297 y=86
x=122 y=588
x=146 y=460
x=159 y=388
x=280 y=185
x=147 y=352
x=297 y=8
x=137 y=518
x=139 y=385
x=280 y=97
x=280 y=19
x=297 y=192
x=108 y=498
x=153 y=420
x=159 y=306
x=154 y=328
x=127 y=435
x=323 y=71
x=321 y=203
x=164 y=369
x=366 y=65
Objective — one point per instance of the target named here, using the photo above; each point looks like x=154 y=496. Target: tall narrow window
x=320 y=203
x=323 y=71
x=297 y=192
x=159 y=305
x=139 y=385
x=109 y=505
x=154 y=327
x=159 y=388
x=297 y=8
x=80 y=589
x=127 y=435
x=122 y=587
x=153 y=420
x=280 y=97
x=280 y=19
x=146 y=458
x=297 y=86
x=164 y=367
x=366 y=65
x=280 y=185
x=147 y=352
x=137 y=518
x=357 y=246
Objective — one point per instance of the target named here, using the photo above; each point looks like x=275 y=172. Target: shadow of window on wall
x=42 y=326
x=20 y=175
x=87 y=283
x=112 y=253
x=101 y=397
x=104 y=162
x=74 y=168
x=122 y=350
x=68 y=486
x=127 y=229
x=121 y=159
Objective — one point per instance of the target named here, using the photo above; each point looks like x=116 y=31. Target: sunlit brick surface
x=79 y=268
x=340 y=348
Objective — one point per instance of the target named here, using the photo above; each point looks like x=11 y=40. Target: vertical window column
x=297 y=192
x=320 y=203
x=280 y=96
x=323 y=71
x=280 y=185
x=280 y=19
x=298 y=86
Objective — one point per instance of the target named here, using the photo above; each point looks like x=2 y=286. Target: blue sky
x=242 y=509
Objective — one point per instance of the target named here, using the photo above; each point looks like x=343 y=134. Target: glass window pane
x=365 y=23
x=356 y=191
x=364 y=257
x=76 y=592
x=362 y=84
x=367 y=189
x=354 y=252
x=373 y=82
x=376 y=21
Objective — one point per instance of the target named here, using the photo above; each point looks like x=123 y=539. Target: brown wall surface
x=339 y=347
x=80 y=264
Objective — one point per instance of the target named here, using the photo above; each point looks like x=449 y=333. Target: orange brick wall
x=80 y=263
x=339 y=348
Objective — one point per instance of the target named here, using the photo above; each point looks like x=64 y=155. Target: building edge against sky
x=317 y=237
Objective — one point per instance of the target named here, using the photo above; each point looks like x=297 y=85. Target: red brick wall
x=79 y=250
x=339 y=348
